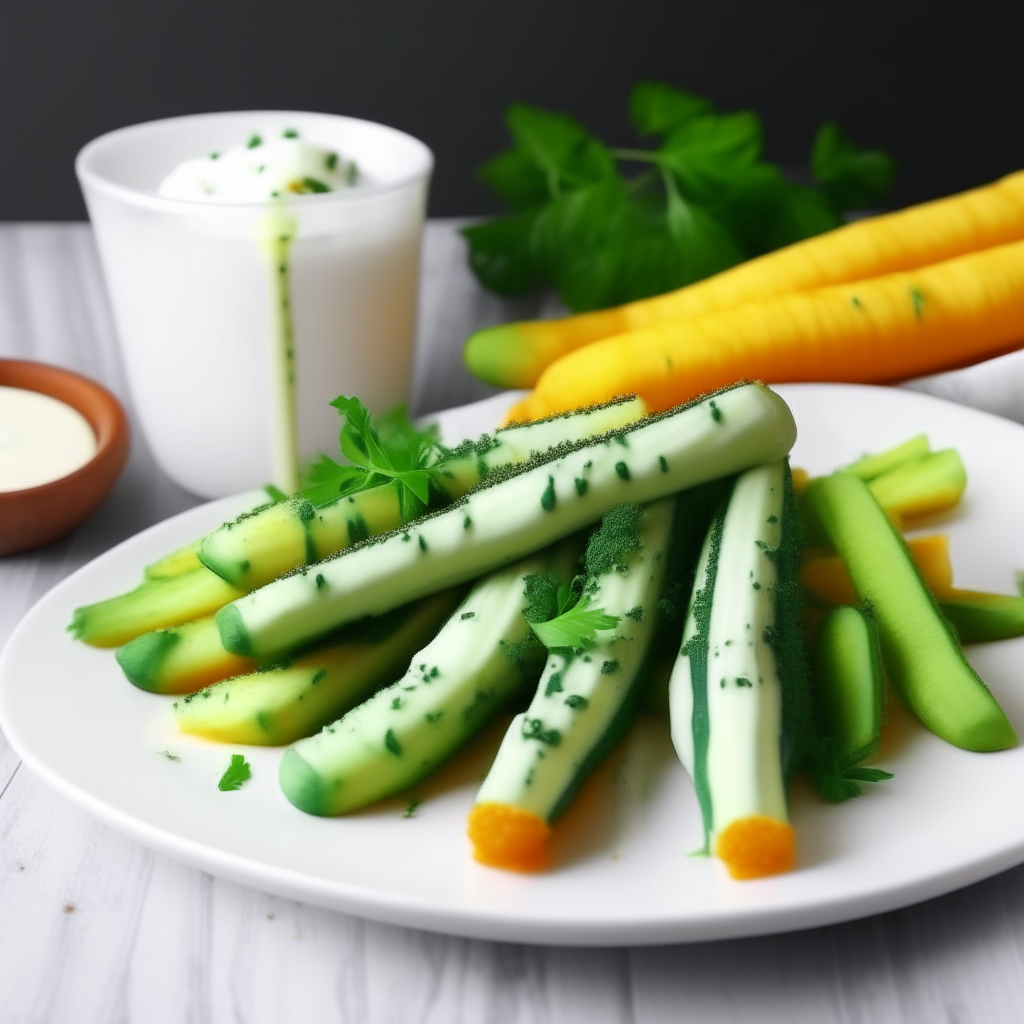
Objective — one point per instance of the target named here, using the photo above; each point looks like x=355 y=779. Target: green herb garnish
x=701 y=200
x=575 y=628
x=390 y=449
x=237 y=773
x=254 y=141
x=410 y=811
x=312 y=185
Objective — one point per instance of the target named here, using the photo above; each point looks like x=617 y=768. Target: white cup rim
x=421 y=166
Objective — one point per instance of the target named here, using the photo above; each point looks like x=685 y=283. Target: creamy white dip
x=41 y=439
x=268 y=166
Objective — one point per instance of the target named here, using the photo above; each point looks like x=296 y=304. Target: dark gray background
x=938 y=85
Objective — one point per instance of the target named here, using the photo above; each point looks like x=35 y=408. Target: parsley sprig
x=390 y=449
x=562 y=615
x=701 y=200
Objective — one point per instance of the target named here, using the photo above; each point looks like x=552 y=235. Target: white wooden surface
x=95 y=929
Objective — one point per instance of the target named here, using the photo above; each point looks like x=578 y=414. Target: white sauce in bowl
x=268 y=166
x=41 y=439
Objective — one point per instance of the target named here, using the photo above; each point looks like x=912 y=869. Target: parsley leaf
x=577 y=627
x=237 y=772
x=702 y=200
x=390 y=449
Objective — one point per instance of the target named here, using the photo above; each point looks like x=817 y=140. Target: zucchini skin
x=181 y=659
x=527 y=510
x=849 y=683
x=476 y=664
x=583 y=699
x=738 y=695
x=282 y=704
x=920 y=651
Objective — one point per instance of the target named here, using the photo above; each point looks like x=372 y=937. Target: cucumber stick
x=919 y=649
x=281 y=705
x=980 y=617
x=921 y=486
x=180 y=659
x=737 y=694
x=849 y=697
x=263 y=545
x=155 y=604
x=185 y=559
x=867 y=467
x=579 y=710
x=479 y=660
x=511 y=516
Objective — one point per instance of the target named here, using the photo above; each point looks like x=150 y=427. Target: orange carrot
x=875 y=331
x=514 y=355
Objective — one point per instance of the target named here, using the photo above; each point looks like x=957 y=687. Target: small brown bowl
x=37 y=515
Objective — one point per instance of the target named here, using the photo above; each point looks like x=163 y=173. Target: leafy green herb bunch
x=604 y=226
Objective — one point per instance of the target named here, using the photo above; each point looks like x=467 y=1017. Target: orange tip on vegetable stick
x=757 y=846
x=508 y=837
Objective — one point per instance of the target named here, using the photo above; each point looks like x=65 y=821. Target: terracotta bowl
x=38 y=515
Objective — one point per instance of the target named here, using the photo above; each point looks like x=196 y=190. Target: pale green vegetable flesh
x=155 y=604
x=514 y=515
x=870 y=466
x=737 y=696
x=580 y=706
x=260 y=546
x=920 y=652
x=919 y=486
x=281 y=705
x=481 y=658
x=849 y=685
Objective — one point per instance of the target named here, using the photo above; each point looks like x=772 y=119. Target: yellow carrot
x=874 y=331
x=514 y=355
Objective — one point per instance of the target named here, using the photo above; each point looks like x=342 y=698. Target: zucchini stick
x=583 y=700
x=530 y=508
x=283 y=704
x=920 y=651
x=738 y=693
x=482 y=657
x=258 y=547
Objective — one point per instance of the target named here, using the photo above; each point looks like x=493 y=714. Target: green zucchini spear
x=282 y=704
x=262 y=544
x=584 y=697
x=481 y=658
x=921 y=654
x=512 y=515
x=258 y=547
x=738 y=695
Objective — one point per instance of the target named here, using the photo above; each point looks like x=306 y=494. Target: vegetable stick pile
x=595 y=557
x=927 y=289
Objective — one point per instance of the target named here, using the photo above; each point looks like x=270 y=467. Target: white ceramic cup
x=197 y=293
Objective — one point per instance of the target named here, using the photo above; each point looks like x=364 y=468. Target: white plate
x=948 y=818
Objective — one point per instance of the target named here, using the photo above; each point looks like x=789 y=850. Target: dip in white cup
x=207 y=319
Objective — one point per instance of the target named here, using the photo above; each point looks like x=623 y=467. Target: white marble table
x=95 y=929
